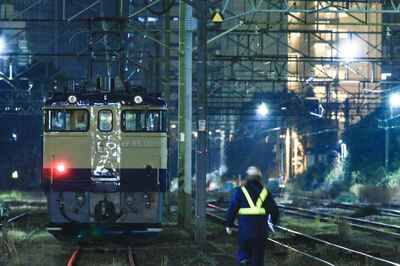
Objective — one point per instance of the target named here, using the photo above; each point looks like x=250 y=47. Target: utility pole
x=181 y=117
x=189 y=27
x=201 y=153
x=185 y=116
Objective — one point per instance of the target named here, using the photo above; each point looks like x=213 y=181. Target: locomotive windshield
x=66 y=120
x=143 y=121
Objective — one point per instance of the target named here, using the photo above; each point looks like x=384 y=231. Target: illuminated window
x=143 y=121
x=105 y=121
x=72 y=120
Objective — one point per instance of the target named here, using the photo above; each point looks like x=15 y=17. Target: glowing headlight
x=72 y=99
x=138 y=99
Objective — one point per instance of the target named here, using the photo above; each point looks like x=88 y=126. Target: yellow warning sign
x=217 y=17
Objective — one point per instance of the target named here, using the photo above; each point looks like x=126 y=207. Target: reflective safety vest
x=254 y=209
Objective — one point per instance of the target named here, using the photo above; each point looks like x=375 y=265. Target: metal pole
x=181 y=117
x=388 y=115
x=166 y=70
x=188 y=114
x=201 y=154
x=387 y=145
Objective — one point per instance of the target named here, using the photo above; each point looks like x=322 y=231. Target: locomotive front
x=104 y=164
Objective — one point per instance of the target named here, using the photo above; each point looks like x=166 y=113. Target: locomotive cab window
x=105 y=121
x=66 y=120
x=143 y=121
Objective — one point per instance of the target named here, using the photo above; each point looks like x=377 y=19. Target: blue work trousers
x=251 y=250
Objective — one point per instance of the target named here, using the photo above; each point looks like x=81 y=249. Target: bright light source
x=262 y=109
x=138 y=99
x=14 y=175
x=2 y=45
x=384 y=76
x=173 y=126
x=395 y=100
x=347 y=50
x=61 y=168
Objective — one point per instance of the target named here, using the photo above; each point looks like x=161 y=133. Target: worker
x=255 y=206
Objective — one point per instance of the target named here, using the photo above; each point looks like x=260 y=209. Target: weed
x=200 y=259
x=344 y=229
x=293 y=258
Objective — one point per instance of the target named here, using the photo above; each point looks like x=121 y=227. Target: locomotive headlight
x=80 y=198
x=72 y=99
x=138 y=99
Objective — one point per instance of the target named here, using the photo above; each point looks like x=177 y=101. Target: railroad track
x=357 y=223
x=222 y=220
x=321 y=241
x=20 y=216
x=391 y=211
x=78 y=252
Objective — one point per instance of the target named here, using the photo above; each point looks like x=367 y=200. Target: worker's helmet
x=253 y=173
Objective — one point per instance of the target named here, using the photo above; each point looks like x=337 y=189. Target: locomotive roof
x=87 y=99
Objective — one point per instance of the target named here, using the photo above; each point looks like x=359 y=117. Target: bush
x=312 y=178
x=347 y=197
x=368 y=193
x=337 y=180
x=391 y=180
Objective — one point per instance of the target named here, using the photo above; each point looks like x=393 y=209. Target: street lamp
x=262 y=109
x=2 y=45
x=348 y=50
x=394 y=100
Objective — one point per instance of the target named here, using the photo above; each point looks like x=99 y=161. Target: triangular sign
x=217 y=17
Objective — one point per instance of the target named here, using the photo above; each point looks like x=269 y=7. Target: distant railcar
x=104 y=162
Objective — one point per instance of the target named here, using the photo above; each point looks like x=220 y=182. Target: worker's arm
x=272 y=208
x=233 y=209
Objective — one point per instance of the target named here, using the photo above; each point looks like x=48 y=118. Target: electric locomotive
x=104 y=161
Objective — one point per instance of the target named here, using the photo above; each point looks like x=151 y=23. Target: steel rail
x=72 y=260
x=357 y=226
x=323 y=241
x=213 y=216
x=77 y=251
x=385 y=211
x=19 y=216
x=130 y=257
x=352 y=219
x=335 y=245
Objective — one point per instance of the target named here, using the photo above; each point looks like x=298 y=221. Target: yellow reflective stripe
x=249 y=200
x=262 y=197
x=254 y=210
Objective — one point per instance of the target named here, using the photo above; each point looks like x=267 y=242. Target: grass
x=15 y=195
x=200 y=259
x=308 y=227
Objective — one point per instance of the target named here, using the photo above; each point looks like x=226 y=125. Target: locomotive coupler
x=104 y=211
